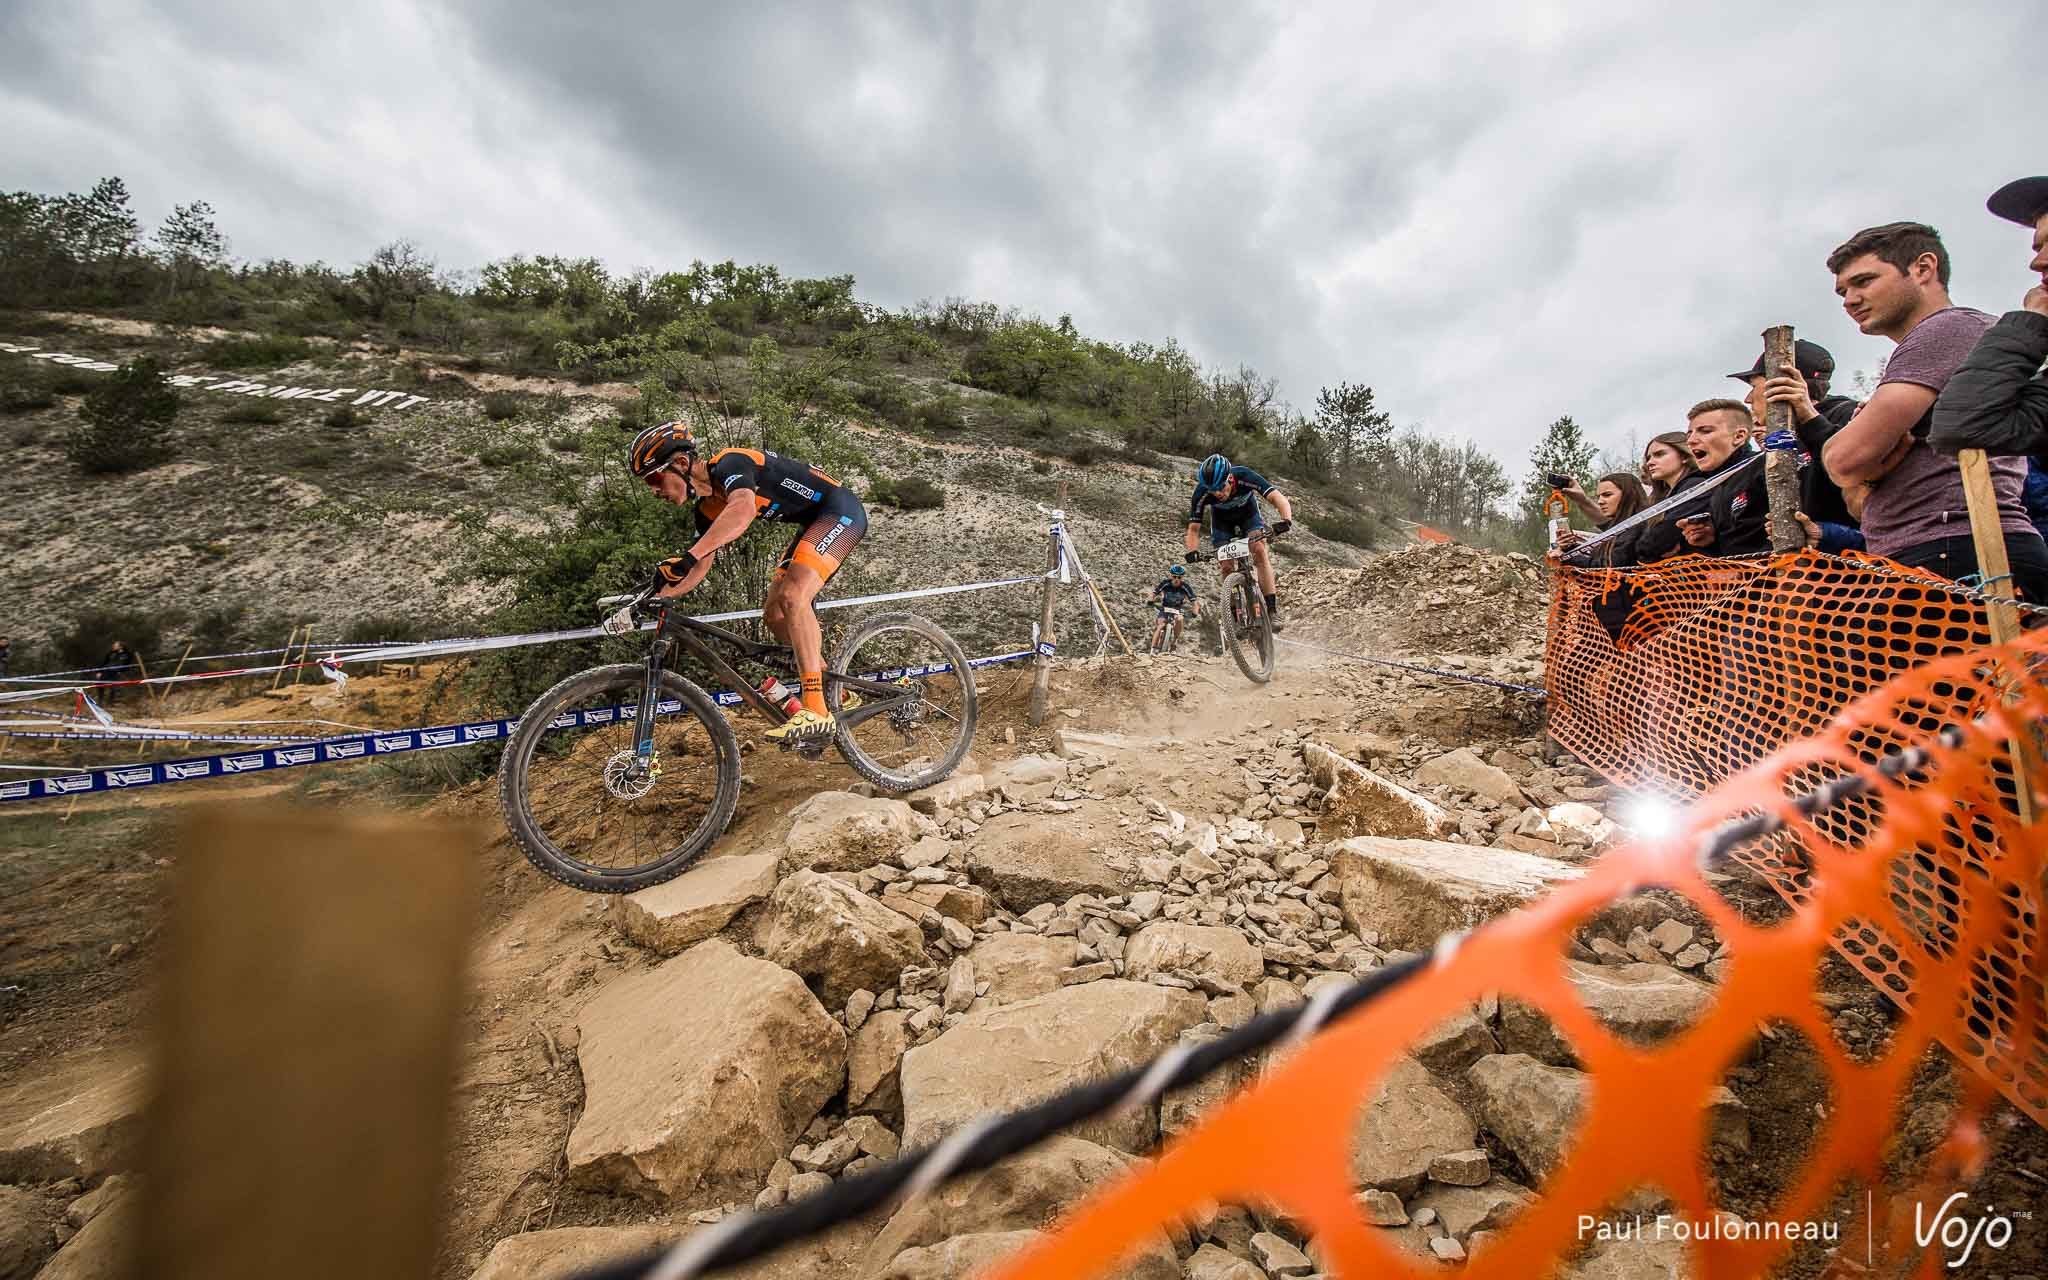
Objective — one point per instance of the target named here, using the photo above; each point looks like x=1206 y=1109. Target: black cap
x=2022 y=200
x=1812 y=359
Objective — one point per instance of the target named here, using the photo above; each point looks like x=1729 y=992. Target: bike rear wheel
x=574 y=804
x=1249 y=629
x=923 y=737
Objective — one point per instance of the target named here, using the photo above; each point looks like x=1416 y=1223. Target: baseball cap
x=2022 y=200
x=1811 y=358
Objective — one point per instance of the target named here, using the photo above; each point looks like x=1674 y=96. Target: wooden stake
x=1781 y=466
x=1041 y=675
x=305 y=651
x=1996 y=571
x=307 y=1023
x=289 y=641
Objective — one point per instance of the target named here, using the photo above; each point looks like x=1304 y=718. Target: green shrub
x=1083 y=452
x=73 y=382
x=506 y=455
x=26 y=398
x=266 y=352
x=886 y=401
x=126 y=422
x=1343 y=526
x=344 y=417
x=501 y=406
x=83 y=641
x=1043 y=466
x=253 y=411
x=1135 y=451
x=909 y=493
x=318 y=457
x=941 y=413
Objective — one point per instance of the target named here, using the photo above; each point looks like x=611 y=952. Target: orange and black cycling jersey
x=784 y=489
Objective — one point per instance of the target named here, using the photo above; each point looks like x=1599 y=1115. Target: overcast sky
x=1493 y=215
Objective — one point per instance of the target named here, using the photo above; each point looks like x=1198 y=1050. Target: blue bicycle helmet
x=1215 y=470
x=1177 y=571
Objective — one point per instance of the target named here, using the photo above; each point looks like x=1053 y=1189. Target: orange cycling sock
x=814 y=691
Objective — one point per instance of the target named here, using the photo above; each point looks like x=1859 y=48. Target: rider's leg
x=790 y=616
x=1263 y=559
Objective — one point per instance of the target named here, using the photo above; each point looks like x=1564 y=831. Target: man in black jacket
x=1998 y=399
x=1730 y=520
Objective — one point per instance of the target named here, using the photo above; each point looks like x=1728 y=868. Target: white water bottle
x=781 y=694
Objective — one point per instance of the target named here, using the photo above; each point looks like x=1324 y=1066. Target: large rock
x=1166 y=946
x=874 y=1057
x=839 y=938
x=1412 y=892
x=1026 y=859
x=1650 y=1258
x=1181 y=1109
x=673 y=917
x=1642 y=1003
x=1455 y=1043
x=840 y=831
x=25 y=1240
x=1025 y=1191
x=1018 y=966
x=1461 y=770
x=1212 y=1263
x=949 y=794
x=101 y=1249
x=74 y=1118
x=702 y=1072
x=1014 y=1054
x=966 y=1256
x=1464 y=1210
x=1529 y=1105
x=1408 y=1123
x=565 y=1252
x=1362 y=803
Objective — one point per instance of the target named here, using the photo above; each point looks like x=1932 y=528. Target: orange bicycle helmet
x=657 y=446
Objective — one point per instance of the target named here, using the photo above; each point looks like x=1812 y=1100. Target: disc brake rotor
x=628 y=779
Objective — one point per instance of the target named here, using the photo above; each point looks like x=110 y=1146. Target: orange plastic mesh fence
x=1928 y=879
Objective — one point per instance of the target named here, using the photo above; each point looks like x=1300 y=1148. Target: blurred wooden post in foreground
x=1996 y=571
x=1041 y=676
x=1781 y=466
x=311 y=995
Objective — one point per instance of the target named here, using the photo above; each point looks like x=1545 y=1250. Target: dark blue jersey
x=1243 y=499
x=1174 y=593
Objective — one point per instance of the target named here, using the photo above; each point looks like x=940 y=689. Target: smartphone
x=1558 y=481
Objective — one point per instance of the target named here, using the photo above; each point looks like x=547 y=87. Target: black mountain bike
x=1247 y=628
x=620 y=776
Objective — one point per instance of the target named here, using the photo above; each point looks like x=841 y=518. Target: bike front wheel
x=1249 y=629
x=587 y=811
x=919 y=736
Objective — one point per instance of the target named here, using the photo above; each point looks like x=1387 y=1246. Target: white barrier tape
x=54 y=677
x=359 y=746
x=481 y=644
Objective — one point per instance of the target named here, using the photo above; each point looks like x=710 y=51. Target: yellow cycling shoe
x=805 y=726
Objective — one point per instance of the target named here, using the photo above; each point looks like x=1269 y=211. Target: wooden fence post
x=1041 y=676
x=1781 y=466
x=1996 y=571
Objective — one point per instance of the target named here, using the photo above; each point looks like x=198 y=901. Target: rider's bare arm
x=1194 y=534
x=1280 y=503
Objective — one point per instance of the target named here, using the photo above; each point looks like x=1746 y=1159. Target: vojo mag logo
x=1960 y=1236
x=395 y=742
x=16 y=790
x=137 y=776
x=241 y=764
x=296 y=755
x=437 y=737
x=478 y=732
x=344 y=750
x=180 y=771
x=64 y=786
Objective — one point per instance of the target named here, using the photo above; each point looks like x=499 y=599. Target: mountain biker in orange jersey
x=729 y=491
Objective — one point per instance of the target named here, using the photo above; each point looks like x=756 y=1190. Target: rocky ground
x=848 y=976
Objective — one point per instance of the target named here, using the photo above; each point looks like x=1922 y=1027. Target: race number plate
x=1236 y=550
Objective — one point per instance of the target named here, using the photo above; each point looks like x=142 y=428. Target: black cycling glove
x=1282 y=526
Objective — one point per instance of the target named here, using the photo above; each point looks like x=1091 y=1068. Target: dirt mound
x=1429 y=598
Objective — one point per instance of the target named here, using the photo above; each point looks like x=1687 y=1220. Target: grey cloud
x=1493 y=213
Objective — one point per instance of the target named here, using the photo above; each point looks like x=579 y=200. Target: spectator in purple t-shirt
x=1893 y=281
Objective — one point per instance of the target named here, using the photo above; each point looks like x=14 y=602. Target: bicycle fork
x=650 y=699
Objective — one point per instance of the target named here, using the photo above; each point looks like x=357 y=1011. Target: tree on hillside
x=397 y=275
x=125 y=421
x=1358 y=430
x=1309 y=449
x=191 y=246
x=1246 y=400
x=1563 y=450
